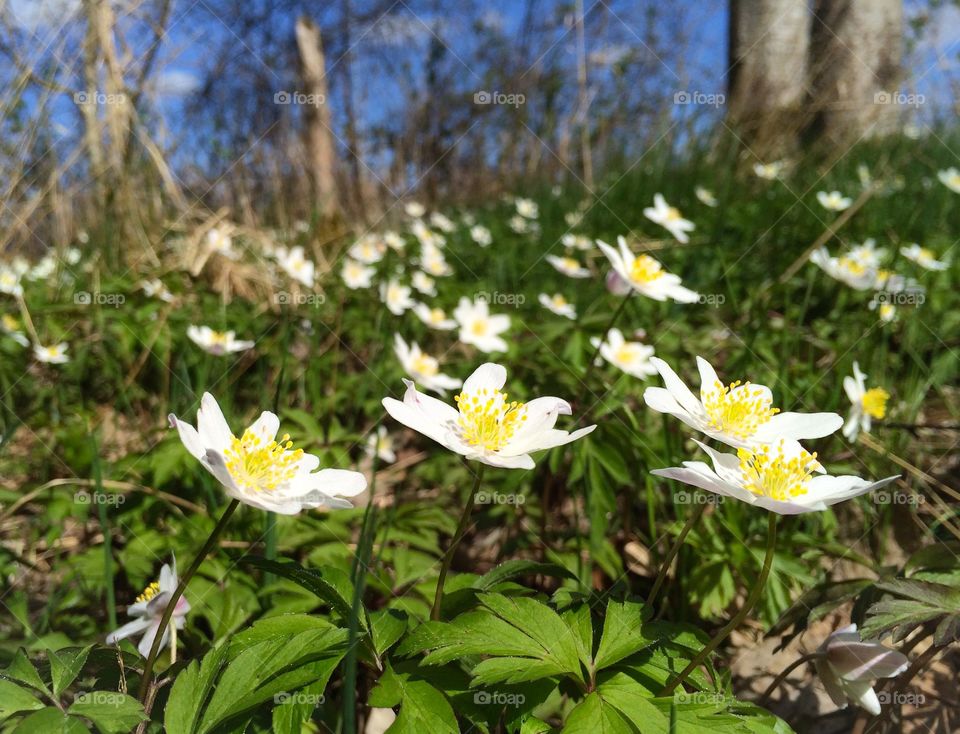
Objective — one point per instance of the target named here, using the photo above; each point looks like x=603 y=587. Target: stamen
x=151 y=591
x=487 y=419
x=766 y=472
x=259 y=466
x=874 y=402
x=645 y=269
x=738 y=412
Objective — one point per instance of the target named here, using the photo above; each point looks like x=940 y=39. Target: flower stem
x=178 y=592
x=784 y=673
x=457 y=537
x=730 y=626
x=603 y=334
x=674 y=549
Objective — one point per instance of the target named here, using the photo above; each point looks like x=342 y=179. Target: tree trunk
x=769 y=41
x=318 y=132
x=857 y=50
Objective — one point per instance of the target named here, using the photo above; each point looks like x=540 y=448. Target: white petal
x=266 y=426
x=211 y=425
x=677 y=388
x=798 y=426
x=488 y=376
x=128 y=630
x=865 y=660
x=146 y=642
x=189 y=437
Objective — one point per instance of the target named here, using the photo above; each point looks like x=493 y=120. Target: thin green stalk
x=457 y=537
x=147 y=677
x=99 y=498
x=738 y=618
x=784 y=673
x=674 y=549
x=361 y=561
x=603 y=334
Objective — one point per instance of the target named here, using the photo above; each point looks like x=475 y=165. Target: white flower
x=296 y=265
x=414 y=209
x=777 y=477
x=442 y=223
x=422 y=367
x=631 y=357
x=426 y=236
x=43 y=269
x=527 y=209
x=481 y=235
x=435 y=318
x=846 y=269
x=486 y=426
x=833 y=201
x=568 y=266
x=56 y=354
x=847 y=665
x=645 y=275
x=156 y=289
x=424 y=283
x=886 y=311
x=468 y=219
x=478 y=327
x=573 y=218
x=72 y=255
x=356 y=275
x=867 y=254
x=669 y=218
x=396 y=297
x=558 y=305
x=148 y=610
x=923 y=257
x=706 y=196
x=394 y=241
x=863 y=173
x=578 y=241
x=217 y=342
x=433 y=262
x=739 y=415
x=865 y=404
x=381 y=444
x=10 y=282
x=518 y=224
x=219 y=241
x=368 y=250
x=11 y=327
x=260 y=471
x=768 y=171
x=950 y=178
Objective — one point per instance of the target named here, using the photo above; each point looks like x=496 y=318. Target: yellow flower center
x=570 y=264
x=924 y=254
x=559 y=301
x=151 y=591
x=52 y=351
x=886 y=311
x=954 y=179
x=874 y=402
x=10 y=323
x=479 y=327
x=673 y=214
x=766 y=472
x=219 y=337
x=626 y=354
x=424 y=364
x=255 y=465
x=852 y=265
x=645 y=269
x=883 y=276
x=487 y=420
x=437 y=315
x=737 y=410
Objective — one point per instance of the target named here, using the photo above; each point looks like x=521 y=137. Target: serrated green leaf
x=13 y=698
x=622 y=633
x=111 y=712
x=51 y=721
x=65 y=666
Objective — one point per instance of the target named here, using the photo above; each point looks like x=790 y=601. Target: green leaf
x=520 y=567
x=422 y=707
x=13 y=698
x=51 y=721
x=110 y=712
x=22 y=670
x=622 y=633
x=330 y=584
x=634 y=702
x=65 y=666
x=595 y=716
x=387 y=627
